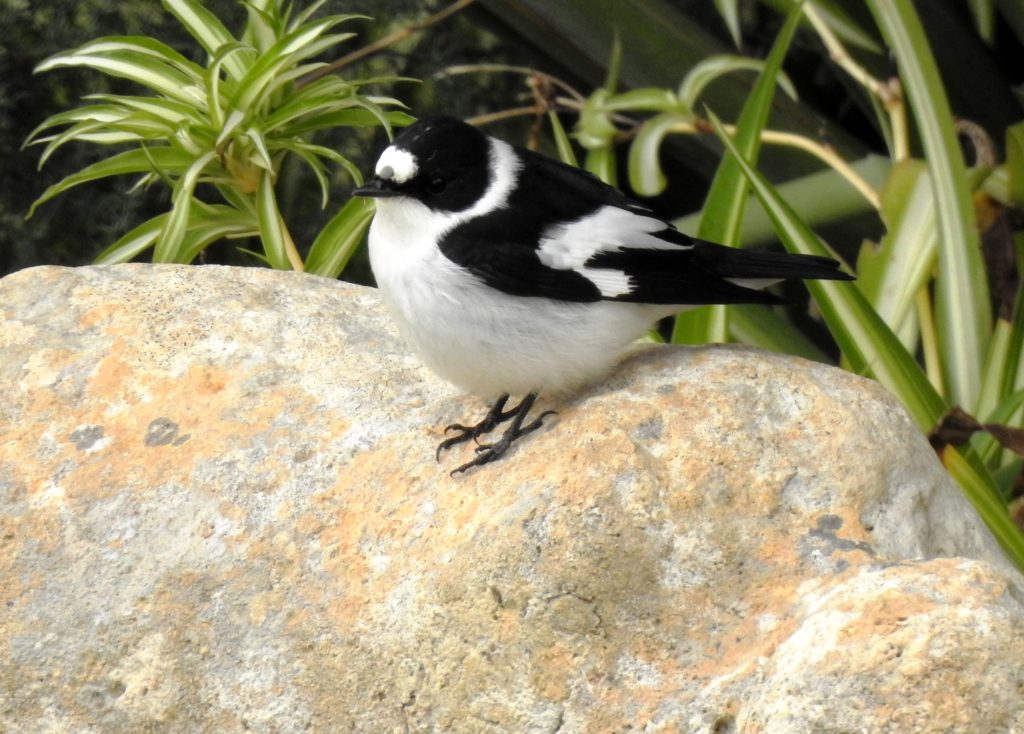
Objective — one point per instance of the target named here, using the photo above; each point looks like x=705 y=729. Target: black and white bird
x=510 y=273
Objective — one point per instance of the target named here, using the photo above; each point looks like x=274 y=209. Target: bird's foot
x=486 y=453
x=495 y=417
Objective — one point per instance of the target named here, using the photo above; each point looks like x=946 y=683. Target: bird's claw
x=486 y=452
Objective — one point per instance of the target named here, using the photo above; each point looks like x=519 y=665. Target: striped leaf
x=962 y=296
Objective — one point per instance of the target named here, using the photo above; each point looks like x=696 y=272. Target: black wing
x=601 y=245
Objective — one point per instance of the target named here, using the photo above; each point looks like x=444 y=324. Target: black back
x=500 y=247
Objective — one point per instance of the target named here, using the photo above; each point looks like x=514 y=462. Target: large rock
x=221 y=513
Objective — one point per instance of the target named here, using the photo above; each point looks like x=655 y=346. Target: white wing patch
x=611 y=283
x=609 y=229
x=396 y=165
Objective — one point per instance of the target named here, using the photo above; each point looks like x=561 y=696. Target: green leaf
x=611 y=80
x=352 y=117
x=725 y=205
x=206 y=28
x=984 y=495
x=234 y=120
x=821 y=198
x=320 y=173
x=154 y=74
x=308 y=13
x=287 y=50
x=645 y=174
x=207 y=224
x=271 y=226
x=986 y=445
x=172 y=111
x=984 y=18
x=316 y=165
x=701 y=75
x=652 y=99
x=1004 y=360
x=729 y=11
x=662 y=40
x=382 y=117
x=72 y=133
x=262 y=28
x=94 y=113
x=130 y=161
x=839 y=21
x=285 y=81
x=135 y=242
x=1015 y=162
x=340 y=238
x=121 y=127
x=594 y=129
x=111 y=137
x=318 y=151
x=214 y=103
x=242 y=202
x=761 y=327
x=259 y=256
x=212 y=223
x=262 y=157
x=1005 y=477
x=168 y=247
x=129 y=48
x=891 y=274
x=868 y=344
x=562 y=143
x=601 y=163
x=324 y=95
x=962 y=297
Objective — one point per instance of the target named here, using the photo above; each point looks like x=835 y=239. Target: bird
x=511 y=273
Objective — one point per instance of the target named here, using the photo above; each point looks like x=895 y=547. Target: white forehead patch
x=396 y=165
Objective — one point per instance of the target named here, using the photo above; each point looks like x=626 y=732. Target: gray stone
x=220 y=512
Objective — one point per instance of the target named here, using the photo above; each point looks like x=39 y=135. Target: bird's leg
x=486 y=453
x=495 y=417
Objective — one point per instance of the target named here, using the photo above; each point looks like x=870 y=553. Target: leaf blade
x=962 y=296
x=725 y=204
x=340 y=238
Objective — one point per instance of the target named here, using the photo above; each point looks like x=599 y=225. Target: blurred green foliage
x=73 y=228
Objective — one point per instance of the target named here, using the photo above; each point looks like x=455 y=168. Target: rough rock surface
x=219 y=512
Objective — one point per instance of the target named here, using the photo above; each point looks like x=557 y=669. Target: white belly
x=480 y=339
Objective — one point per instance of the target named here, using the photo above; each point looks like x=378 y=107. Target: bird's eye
x=436 y=185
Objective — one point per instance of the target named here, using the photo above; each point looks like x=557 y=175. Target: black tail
x=730 y=262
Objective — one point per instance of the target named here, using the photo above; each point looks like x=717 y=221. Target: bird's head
x=441 y=162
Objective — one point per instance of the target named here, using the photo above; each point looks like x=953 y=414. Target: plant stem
x=511 y=68
x=490 y=117
x=889 y=93
x=827 y=155
x=824 y=153
x=380 y=44
x=841 y=57
x=897 y=109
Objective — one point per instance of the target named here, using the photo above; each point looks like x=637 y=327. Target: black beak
x=377 y=188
